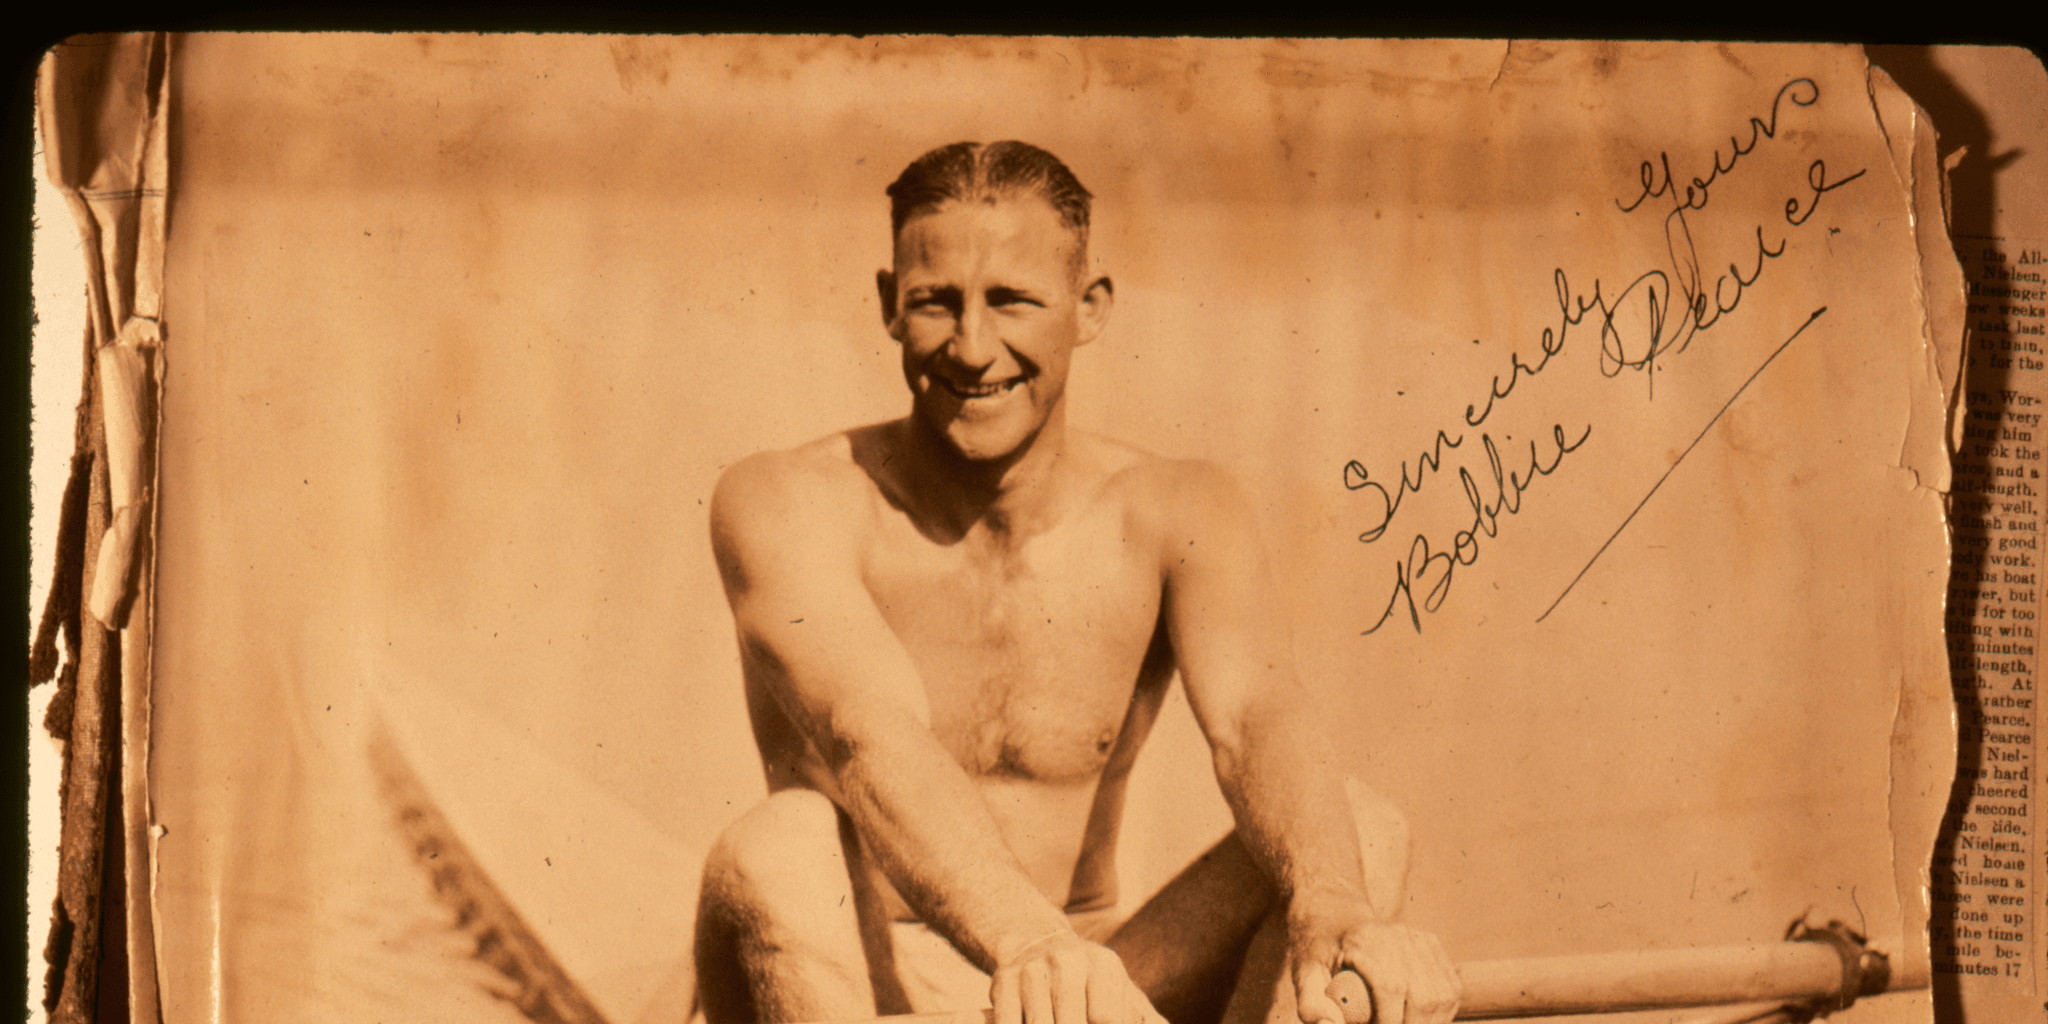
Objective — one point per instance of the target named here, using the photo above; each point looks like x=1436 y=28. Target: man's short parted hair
x=971 y=171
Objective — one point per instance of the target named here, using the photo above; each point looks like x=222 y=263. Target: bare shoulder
x=1169 y=497
x=802 y=501
x=816 y=480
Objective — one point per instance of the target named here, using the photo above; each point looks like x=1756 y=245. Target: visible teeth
x=981 y=390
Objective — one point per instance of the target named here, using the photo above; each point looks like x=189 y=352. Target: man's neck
x=1010 y=498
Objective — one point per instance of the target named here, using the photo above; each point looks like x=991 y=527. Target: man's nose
x=975 y=344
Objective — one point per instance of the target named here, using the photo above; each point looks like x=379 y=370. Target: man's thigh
x=1214 y=939
x=785 y=923
x=1185 y=947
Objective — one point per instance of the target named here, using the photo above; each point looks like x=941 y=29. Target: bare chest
x=1030 y=657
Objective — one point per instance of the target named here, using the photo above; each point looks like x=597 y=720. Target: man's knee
x=784 y=855
x=775 y=921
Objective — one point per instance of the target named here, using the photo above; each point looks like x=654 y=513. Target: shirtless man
x=957 y=629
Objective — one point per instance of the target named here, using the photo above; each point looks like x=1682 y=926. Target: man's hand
x=1065 y=979
x=1411 y=980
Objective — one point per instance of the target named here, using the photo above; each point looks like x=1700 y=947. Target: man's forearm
x=936 y=841
x=1279 y=774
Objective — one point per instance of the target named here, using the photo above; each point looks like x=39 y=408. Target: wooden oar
x=1763 y=974
x=1783 y=972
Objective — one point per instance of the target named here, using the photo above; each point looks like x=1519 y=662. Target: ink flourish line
x=1680 y=460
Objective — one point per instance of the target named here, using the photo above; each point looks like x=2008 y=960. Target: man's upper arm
x=786 y=535
x=1229 y=629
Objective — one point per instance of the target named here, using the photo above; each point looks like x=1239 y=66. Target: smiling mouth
x=990 y=389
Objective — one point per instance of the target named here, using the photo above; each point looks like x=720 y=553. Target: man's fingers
x=1388 y=982
x=1451 y=982
x=1389 y=1004
x=1389 y=969
x=1433 y=996
x=1006 y=998
x=1034 y=978
x=1406 y=974
x=1106 y=1002
x=1413 y=982
x=1354 y=1001
x=1112 y=999
x=1317 y=1007
x=1069 y=984
x=1311 y=1002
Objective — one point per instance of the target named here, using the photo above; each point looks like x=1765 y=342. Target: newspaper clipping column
x=1989 y=949
x=1985 y=877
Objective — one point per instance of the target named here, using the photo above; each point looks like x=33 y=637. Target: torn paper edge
x=126 y=371
x=137 y=685
x=1926 y=450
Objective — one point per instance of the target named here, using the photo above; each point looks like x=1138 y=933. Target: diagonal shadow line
x=1725 y=406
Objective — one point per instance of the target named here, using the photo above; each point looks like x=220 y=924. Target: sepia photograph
x=1030 y=531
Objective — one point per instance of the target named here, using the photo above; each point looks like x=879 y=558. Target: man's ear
x=885 y=286
x=1095 y=306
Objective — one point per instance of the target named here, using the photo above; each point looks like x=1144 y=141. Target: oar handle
x=1348 y=989
x=1779 y=973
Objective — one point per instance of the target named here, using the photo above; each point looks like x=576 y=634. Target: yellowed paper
x=1593 y=399
x=1988 y=104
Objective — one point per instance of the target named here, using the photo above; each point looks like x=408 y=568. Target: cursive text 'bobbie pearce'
x=1657 y=314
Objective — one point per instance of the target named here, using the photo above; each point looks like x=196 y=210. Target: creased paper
x=104 y=126
x=1593 y=398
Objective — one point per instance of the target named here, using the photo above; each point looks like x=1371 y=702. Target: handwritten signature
x=1433 y=569
x=1658 y=314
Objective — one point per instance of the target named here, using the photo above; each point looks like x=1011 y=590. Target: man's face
x=988 y=307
